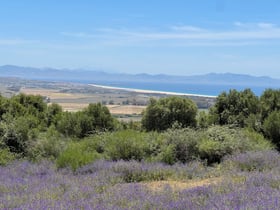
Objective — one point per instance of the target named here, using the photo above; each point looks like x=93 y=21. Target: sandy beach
x=151 y=91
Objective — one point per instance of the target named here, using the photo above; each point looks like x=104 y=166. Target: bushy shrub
x=219 y=141
x=212 y=144
x=6 y=156
x=76 y=155
x=126 y=145
x=93 y=119
x=179 y=145
x=48 y=145
x=17 y=133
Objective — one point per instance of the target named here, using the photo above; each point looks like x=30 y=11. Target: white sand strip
x=151 y=91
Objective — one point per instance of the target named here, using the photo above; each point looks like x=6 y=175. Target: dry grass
x=52 y=94
x=75 y=101
x=181 y=185
x=73 y=107
x=125 y=109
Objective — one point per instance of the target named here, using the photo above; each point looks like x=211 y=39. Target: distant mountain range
x=86 y=76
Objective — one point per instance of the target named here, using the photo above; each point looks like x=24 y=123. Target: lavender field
x=245 y=181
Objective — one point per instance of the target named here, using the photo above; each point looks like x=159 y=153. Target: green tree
x=95 y=117
x=17 y=133
x=270 y=101
x=161 y=114
x=68 y=124
x=203 y=119
x=100 y=117
x=54 y=111
x=234 y=107
x=272 y=127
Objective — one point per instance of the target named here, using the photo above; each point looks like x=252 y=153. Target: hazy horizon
x=154 y=37
x=134 y=74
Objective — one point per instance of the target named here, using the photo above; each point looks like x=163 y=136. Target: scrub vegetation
x=175 y=158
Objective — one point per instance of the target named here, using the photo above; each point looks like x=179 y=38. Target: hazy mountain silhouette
x=79 y=75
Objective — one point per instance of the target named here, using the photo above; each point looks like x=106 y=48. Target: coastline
x=151 y=91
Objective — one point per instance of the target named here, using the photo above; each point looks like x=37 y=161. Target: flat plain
x=122 y=103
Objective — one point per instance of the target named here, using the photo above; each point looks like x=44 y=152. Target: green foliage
x=212 y=144
x=270 y=101
x=77 y=154
x=48 y=145
x=93 y=119
x=253 y=121
x=272 y=127
x=180 y=145
x=33 y=105
x=256 y=141
x=16 y=133
x=6 y=156
x=203 y=119
x=126 y=145
x=219 y=141
x=234 y=107
x=168 y=155
x=29 y=128
x=161 y=114
x=53 y=114
x=68 y=124
x=100 y=116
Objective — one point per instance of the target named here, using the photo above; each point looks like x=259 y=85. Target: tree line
x=234 y=108
x=29 y=126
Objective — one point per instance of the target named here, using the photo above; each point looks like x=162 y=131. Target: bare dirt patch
x=181 y=185
x=52 y=94
x=126 y=109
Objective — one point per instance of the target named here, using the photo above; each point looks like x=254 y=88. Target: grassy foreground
x=244 y=181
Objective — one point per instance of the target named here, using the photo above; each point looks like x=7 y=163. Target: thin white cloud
x=187 y=28
x=267 y=25
x=16 y=41
x=252 y=26
x=244 y=34
x=77 y=34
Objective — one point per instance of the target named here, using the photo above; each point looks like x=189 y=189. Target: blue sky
x=179 y=37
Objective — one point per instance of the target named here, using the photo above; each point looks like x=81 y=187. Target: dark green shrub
x=93 y=119
x=272 y=127
x=270 y=101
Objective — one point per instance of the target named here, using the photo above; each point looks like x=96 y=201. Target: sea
x=198 y=89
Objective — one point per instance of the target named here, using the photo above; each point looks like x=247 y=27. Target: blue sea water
x=200 y=89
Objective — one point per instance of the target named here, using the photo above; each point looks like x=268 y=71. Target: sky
x=176 y=37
